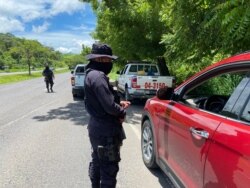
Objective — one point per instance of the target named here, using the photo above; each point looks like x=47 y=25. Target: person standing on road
x=107 y=113
x=48 y=78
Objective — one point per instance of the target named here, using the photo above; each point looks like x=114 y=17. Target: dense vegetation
x=190 y=34
x=22 y=54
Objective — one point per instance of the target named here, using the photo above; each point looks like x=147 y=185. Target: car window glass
x=133 y=68
x=147 y=68
x=237 y=100
x=154 y=69
x=121 y=72
x=80 y=69
x=213 y=94
x=124 y=70
x=242 y=107
x=140 y=68
x=245 y=116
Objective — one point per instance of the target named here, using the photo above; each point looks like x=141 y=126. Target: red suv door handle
x=198 y=133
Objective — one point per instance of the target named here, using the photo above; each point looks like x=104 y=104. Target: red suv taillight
x=134 y=83
x=72 y=81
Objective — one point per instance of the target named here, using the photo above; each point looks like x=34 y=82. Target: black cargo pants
x=49 y=83
x=102 y=172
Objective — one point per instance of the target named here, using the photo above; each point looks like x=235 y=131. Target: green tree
x=28 y=52
x=133 y=27
x=16 y=52
x=73 y=59
x=191 y=34
x=85 y=50
x=6 y=41
x=234 y=19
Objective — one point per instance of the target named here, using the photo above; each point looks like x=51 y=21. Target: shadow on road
x=134 y=115
x=162 y=178
x=134 y=112
x=74 y=111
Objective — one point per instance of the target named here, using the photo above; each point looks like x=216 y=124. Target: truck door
x=122 y=78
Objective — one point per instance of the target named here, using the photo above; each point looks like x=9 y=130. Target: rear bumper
x=78 y=90
x=142 y=94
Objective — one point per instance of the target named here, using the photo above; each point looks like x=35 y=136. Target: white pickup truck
x=77 y=80
x=141 y=80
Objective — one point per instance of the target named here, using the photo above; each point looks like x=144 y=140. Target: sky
x=61 y=24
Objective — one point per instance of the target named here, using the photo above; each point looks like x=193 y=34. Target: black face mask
x=104 y=67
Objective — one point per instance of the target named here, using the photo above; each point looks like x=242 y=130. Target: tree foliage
x=131 y=27
x=205 y=28
x=19 y=53
x=189 y=33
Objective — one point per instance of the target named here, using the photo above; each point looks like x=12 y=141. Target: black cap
x=101 y=50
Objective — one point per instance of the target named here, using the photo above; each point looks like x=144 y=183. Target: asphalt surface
x=44 y=140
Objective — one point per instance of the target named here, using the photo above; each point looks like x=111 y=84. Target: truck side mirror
x=118 y=72
x=72 y=72
x=164 y=93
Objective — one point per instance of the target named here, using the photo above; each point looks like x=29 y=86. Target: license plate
x=154 y=85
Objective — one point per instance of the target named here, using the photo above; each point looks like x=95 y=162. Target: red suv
x=199 y=132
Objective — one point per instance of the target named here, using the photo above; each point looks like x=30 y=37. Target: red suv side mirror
x=164 y=93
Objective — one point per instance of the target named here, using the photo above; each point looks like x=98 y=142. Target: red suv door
x=185 y=152
x=228 y=161
x=189 y=129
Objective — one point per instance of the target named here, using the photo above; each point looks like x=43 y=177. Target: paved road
x=44 y=142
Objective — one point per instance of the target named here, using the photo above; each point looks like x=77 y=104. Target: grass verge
x=21 y=77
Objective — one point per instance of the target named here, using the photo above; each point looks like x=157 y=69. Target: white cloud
x=8 y=25
x=28 y=10
x=64 y=50
x=80 y=42
x=40 y=28
x=16 y=16
x=68 y=6
x=25 y=10
x=62 y=41
x=79 y=28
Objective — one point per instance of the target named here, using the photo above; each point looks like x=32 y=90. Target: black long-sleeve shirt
x=100 y=104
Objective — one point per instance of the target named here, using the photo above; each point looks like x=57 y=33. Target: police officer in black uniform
x=107 y=113
x=48 y=78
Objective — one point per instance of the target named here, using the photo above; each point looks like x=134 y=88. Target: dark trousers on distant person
x=102 y=173
x=49 y=84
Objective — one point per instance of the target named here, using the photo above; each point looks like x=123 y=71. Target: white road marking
x=136 y=131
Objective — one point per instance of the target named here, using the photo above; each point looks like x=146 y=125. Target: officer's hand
x=125 y=104
x=121 y=120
